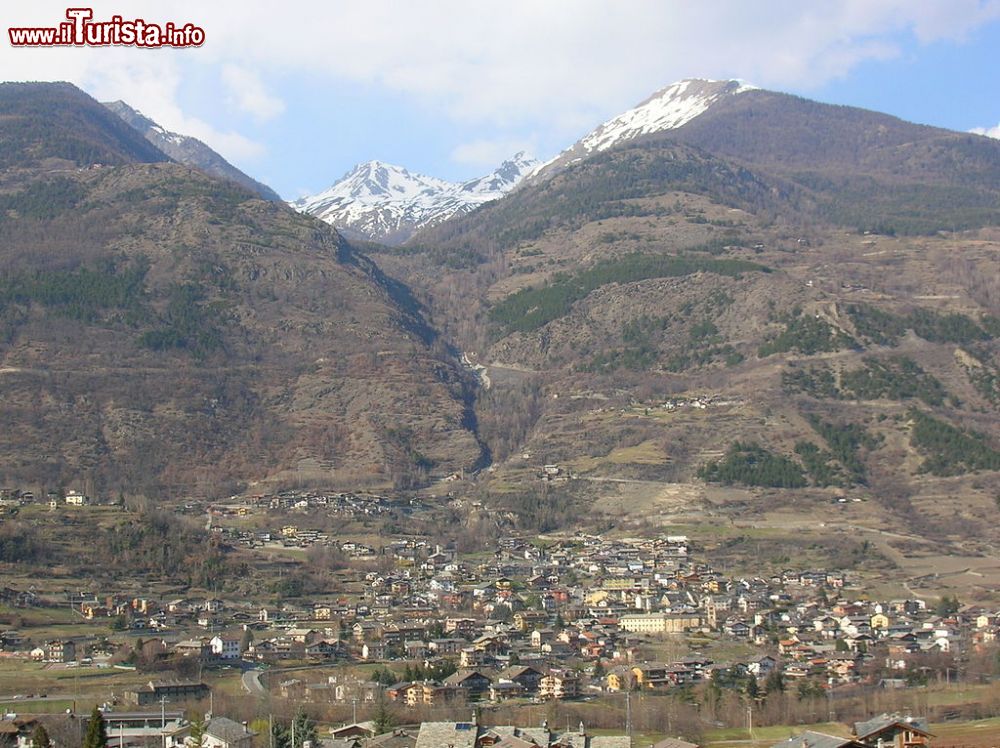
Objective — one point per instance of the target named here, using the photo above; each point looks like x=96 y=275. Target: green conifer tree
x=279 y=736
x=383 y=718
x=40 y=738
x=304 y=730
x=97 y=731
x=197 y=734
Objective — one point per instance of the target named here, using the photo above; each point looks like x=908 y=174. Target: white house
x=75 y=498
x=225 y=649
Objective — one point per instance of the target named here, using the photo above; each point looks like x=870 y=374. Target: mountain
x=770 y=310
x=59 y=122
x=853 y=166
x=387 y=203
x=788 y=133
x=187 y=150
x=774 y=306
x=667 y=109
x=866 y=169
x=165 y=332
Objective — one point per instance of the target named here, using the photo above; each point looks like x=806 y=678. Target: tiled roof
x=447 y=735
x=877 y=724
x=226 y=729
x=610 y=741
x=811 y=739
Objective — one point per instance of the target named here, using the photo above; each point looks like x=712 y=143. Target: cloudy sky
x=296 y=97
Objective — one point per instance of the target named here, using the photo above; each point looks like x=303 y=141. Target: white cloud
x=953 y=20
x=558 y=66
x=159 y=103
x=248 y=93
x=232 y=145
x=990 y=132
x=569 y=63
x=489 y=153
x=148 y=80
x=152 y=86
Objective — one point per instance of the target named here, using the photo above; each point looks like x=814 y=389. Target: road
x=636 y=481
x=14 y=698
x=252 y=684
x=251 y=678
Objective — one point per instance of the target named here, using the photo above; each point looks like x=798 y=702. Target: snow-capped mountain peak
x=503 y=178
x=388 y=203
x=667 y=109
x=379 y=180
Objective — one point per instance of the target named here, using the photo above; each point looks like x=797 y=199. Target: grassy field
x=942 y=696
x=980 y=733
x=983 y=733
x=767 y=736
x=37 y=706
x=42 y=616
x=19 y=677
x=647 y=453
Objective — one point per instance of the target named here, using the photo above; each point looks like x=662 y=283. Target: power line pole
x=628 y=714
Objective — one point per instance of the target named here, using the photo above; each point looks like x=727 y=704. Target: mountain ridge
x=59 y=121
x=654 y=272
x=188 y=150
x=669 y=108
x=388 y=203
x=773 y=279
x=166 y=332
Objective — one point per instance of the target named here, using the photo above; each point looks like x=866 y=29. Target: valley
x=702 y=410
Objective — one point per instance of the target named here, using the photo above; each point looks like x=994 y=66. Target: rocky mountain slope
x=856 y=167
x=165 y=332
x=865 y=169
x=189 y=151
x=45 y=123
x=387 y=203
x=711 y=312
x=776 y=303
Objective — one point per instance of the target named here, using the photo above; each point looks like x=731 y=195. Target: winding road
x=251 y=682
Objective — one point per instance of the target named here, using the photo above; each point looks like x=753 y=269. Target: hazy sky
x=296 y=97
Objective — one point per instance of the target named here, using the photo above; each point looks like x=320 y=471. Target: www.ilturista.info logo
x=81 y=31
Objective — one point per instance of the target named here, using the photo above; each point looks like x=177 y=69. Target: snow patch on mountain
x=188 y=150
x=388 y=203
x=667 y=109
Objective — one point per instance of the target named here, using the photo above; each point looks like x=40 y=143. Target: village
x=570 y=618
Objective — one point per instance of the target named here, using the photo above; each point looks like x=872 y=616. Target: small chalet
x=525 y=676
x=473 y=682
x=893 y=731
